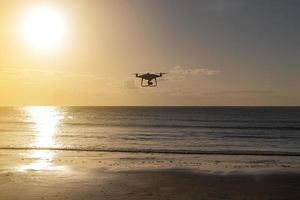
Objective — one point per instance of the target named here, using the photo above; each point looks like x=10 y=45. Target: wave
x=161 y=151
x=238 y=125
x=187 y=126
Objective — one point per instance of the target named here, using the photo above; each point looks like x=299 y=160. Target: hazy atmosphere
x=215 y=52
x=149 y=99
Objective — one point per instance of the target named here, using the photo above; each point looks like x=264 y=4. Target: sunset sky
x=83 y=52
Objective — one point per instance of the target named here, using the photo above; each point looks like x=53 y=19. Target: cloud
x=219 y=94
x=241 y=92
x=28 y=73
x=178 y=73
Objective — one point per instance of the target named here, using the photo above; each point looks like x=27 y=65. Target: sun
x=43 y=27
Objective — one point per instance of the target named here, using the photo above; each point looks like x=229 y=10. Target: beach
x=149 y=153
x=100 y=175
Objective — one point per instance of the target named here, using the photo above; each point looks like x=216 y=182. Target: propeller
x=161 y=73
x=136 y=74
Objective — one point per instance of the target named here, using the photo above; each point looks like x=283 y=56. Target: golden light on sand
x=43 y=160
x=43 y=27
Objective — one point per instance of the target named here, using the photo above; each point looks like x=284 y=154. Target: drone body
x=149 y=78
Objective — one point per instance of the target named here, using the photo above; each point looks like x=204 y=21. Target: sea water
x=182 y=130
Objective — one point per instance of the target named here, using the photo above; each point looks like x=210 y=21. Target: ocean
x=177 y=130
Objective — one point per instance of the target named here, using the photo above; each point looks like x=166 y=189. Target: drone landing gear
x=149 y=83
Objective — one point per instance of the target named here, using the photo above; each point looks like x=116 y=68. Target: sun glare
x=45 y=121
x=43 y=27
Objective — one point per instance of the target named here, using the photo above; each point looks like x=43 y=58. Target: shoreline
x=98 y=175
x=163 y=151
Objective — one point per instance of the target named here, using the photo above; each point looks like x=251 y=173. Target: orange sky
x=106 y=41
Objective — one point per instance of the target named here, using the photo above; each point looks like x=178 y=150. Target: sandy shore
x=79 y=175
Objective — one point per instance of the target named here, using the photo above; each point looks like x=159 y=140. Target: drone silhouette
x=149 y=78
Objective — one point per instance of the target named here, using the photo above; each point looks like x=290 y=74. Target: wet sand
x=79 y=175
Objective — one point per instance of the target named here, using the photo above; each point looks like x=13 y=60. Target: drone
x=149 y=78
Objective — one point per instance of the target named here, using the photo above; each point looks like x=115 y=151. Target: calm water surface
x=151 y=129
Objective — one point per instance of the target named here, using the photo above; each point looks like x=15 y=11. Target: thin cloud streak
x=179 y=73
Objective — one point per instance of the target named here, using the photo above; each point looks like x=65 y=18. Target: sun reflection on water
x=46 y=121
